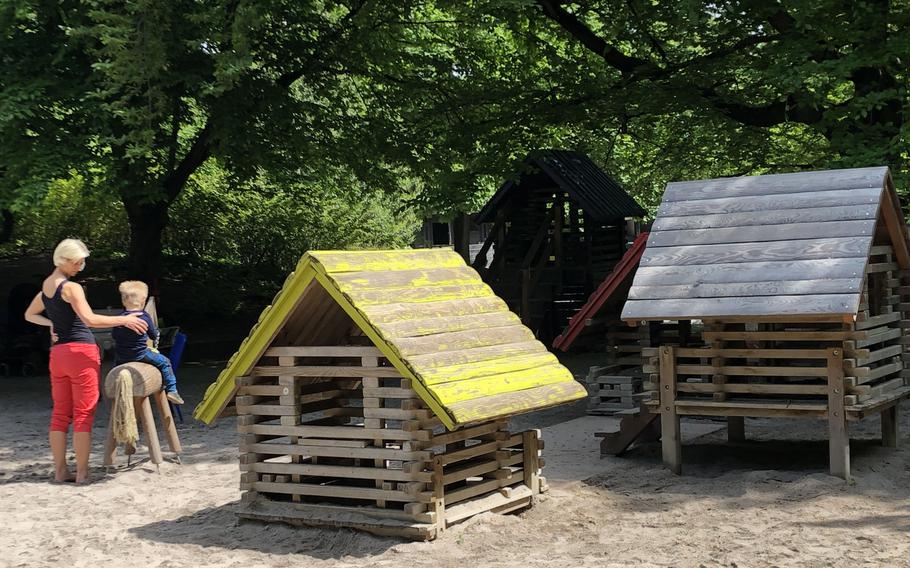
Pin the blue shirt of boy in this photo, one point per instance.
(132, 346)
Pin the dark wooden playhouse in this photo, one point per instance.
(558, 229)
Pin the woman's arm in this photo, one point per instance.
(75, 296)
(34, 310)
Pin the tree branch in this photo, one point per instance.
(621, 62)
(199, 152)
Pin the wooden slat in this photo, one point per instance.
(469, 389)
(762, 233)
(336, 452)
(322, 351)
(880, 354)
(405, 278)
(773, 217)
(790, 306)
(807, 249)
(752, 353)
(468, 453)
(369, 262)
(773, 184)
(326, 371)
(449, 308)
(782, 335)
(491, 368)
(516, 402)
(879, 372)
(463, 340)
(752, 388)
(339, 491)
(876, 321)
(752, 371)
(874, 338)
(418, 294)
(742, 408)
(781, 270)
(319, 470)
(352, 432)
(741, 289)
(800, 200)
(430, 326)
(445, 359)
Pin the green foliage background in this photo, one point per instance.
(239, 133)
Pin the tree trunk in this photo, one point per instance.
(147, 222)
(6, 230)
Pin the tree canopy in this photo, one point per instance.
(433, 103)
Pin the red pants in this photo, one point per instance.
(75, 374)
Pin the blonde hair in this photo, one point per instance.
(134, 293)
(69, 250)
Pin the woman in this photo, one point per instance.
(75, 363)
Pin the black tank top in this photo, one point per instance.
(67, 325)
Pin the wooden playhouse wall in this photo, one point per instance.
(787, 367)
(335, 436)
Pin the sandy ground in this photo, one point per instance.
(767, 502)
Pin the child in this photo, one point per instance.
(131, 346)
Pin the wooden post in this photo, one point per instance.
(167, 422)
(461, 236)
(148, 424)
(531, 461)
(292, 398)
(525, 296)
(838, 437)
(110, 444)
(890, 430)
(439, 504)
(669, 420)
(736, 429)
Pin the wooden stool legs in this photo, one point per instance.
(143, 408)
(167, 422)
(144, 413)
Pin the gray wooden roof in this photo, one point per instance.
(575, 173)
(764, 246)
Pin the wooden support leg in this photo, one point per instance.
(838, 438)
(889, 427)
(110, 444)
(167, 423)
(531, 461)
(151, 433)
(736, 429)
(439, 504)
(669, 419)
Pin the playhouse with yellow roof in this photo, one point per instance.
(375, 392)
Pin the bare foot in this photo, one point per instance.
(64, 475)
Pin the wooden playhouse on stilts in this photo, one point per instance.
(800, 285)
(375, 394)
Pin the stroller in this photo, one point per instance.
(24, 347)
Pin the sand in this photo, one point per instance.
(766, 502)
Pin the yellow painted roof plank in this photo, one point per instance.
(489, 368)
(508, 404)
(430, 326)
(385, 296)
(444, 309)
(428, 362)
(458, 340)
(481, 387)
(404, 278)
(380, 260)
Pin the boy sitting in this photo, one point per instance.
(133, 347)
